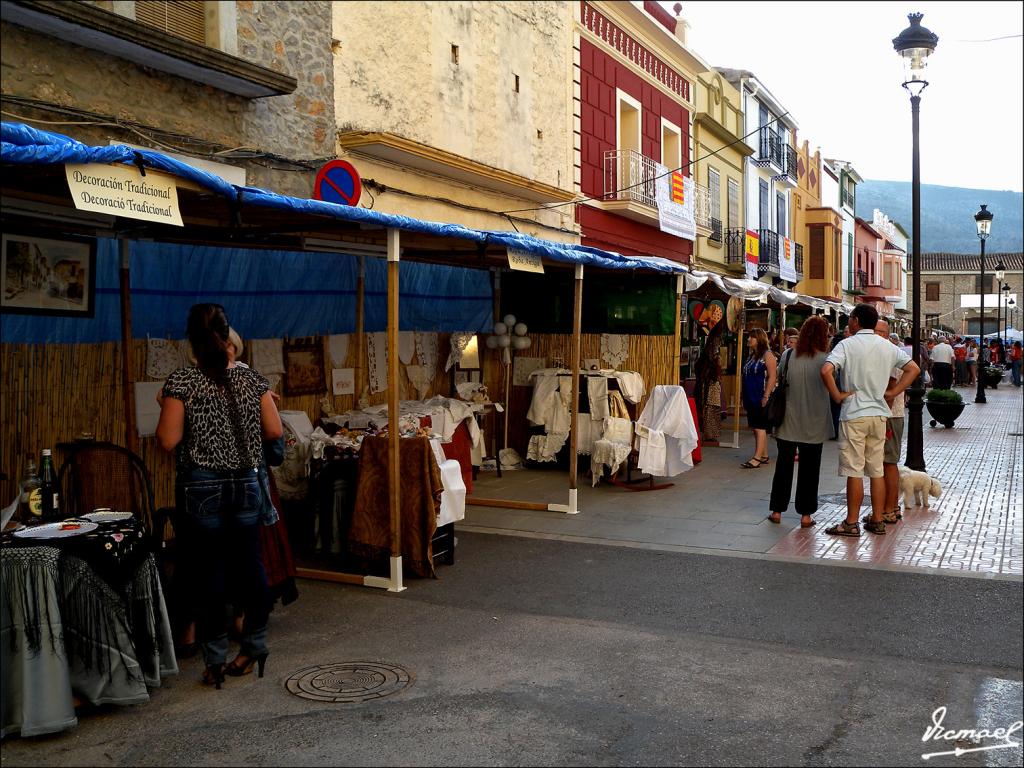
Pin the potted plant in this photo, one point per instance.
(993, 375)
(944, 405)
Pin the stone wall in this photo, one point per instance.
(395, 73)
(953, 285)
(290, 37)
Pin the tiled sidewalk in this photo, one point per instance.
(975, 527)
(978, 522)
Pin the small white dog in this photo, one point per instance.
(916, 487)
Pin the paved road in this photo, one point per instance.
(547, 652)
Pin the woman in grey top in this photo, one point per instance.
(806, 426)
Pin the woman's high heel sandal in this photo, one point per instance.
(235, 669)
(214, 675)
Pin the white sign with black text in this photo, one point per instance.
(121, 190)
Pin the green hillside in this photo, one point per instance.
(947, 214)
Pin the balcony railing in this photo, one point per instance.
(846, 198)
(716, 230)
(629, 175)
(735, 245)
(860, 280)
(768, 252)
(702, 206)
(790, 162)
(770, 147)
(799, 259)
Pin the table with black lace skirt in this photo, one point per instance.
(81, 616)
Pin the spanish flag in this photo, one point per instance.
(677, 188)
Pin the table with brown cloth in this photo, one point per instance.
(420, 489)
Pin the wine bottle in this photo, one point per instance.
(49, 488)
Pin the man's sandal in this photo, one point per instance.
(844, 528)
(876, 528)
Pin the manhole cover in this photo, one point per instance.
(349, 682)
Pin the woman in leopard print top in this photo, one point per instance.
(215, 417)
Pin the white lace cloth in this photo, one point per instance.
(337, 344)
(163, 357)
(377, 352)
(612, 449)
(426, 351)
(406, 346)
(666, 434)
(614, 349)
(267, 355)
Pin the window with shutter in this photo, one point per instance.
(734, 204)
(988, 284)
(715, 192)
(183, 18)
(816, 246)
(765, 221)
(931, 291)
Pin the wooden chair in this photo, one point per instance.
(100, 474)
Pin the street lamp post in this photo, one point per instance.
(914, 45)
(1000, 273)
(983, 219)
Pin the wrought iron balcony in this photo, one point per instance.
(770, 148)
(860, 280)
(799, 259)
(768, 252)
(790, 162)
(702, 206)
(735, 242)
(629, 175)
(716, 230)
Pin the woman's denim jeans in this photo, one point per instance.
(223, 510)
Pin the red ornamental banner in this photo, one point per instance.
(751, 254)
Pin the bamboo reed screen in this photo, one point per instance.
(51, 393)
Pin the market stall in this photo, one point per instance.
(293, 274)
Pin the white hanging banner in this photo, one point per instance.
(674, 194)
(787, 260)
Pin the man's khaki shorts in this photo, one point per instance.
(862, 446)
(893, 441)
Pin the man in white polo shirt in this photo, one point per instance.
(942, 364)
(864, 361)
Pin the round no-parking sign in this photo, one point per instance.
(338, 182)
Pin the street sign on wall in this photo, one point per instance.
(338, 182)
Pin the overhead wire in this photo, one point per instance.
(646, 181)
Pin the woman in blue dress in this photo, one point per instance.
(759, 374)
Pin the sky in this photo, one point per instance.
(832, 65)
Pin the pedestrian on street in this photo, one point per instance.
(864, 362)
(758, 382)
(893, 439)
(942, 364)
(806, 425)
(834, 406)
(972, 362)
(959, 362)
(792, 334)
(1016, 359)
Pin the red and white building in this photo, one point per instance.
(633, 106)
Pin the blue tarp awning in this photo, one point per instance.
(272, 293)
(23, 145)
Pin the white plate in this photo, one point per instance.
(55, 530)
(107, 516)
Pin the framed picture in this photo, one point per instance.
(684, 356)
(304, 368)
(47, 275)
